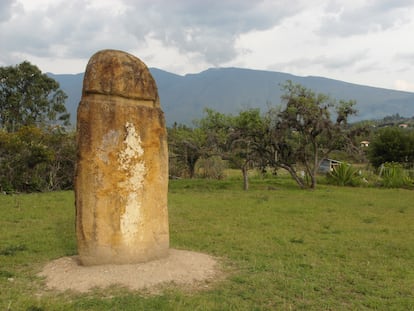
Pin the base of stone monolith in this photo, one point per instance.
(183, 268)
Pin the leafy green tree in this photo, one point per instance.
(306, 131)
(61, 165)
(247, 143)
(238, 139)
(186, 145)
(216, 127)
(392, 144)
(29, 97)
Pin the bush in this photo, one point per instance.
(344, 175)
(392, 144)
(177, 169)
(393, 175)
(212, 167)
(36, 159)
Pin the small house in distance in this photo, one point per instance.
(364, 143)
(327, 165)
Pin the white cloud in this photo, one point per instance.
(366, 16)
(7, 7)
(208, 28)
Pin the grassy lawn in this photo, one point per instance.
(282, 248)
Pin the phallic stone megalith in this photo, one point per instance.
(121, 179)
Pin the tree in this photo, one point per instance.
(61, 166)
(28, 97)
(392, 144)
(216, 127)
(186, 145)
(304, 132)
(247, 144)
(206, 139)
(238, 139)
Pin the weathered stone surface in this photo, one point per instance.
(121, 180)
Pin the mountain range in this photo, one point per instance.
(230, 90)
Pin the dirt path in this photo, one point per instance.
(180, 267)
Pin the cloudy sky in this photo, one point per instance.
(367, 42)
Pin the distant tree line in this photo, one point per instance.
(38, 152)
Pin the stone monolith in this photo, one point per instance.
(121, 179)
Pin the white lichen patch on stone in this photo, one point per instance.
(130, 162)
(133, 148)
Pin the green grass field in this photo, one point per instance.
(282, 248)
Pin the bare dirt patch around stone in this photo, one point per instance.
(181, 267)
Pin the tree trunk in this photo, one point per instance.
(313, 171)
(245, 176)
(191, 162)
(295, 176)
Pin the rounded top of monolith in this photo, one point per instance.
(113, 72)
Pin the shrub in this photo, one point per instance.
(393, 175)
(212, 167)
(392, 144)
(36, 159)
(177, 169)
(344, 175)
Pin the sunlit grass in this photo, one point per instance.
(335, 248)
